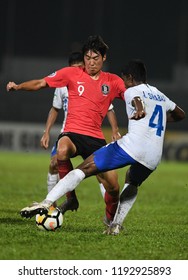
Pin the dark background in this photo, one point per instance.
(38, 31)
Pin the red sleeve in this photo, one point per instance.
(59, 78)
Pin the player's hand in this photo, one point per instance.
(116, 136)
(139, 112)
(138, 115)
(44, 142)
(11, 86)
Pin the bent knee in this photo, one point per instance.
(62, 152)
(65, 149)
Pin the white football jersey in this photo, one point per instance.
(60, 101)
(145, 137)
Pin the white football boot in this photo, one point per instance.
(114, 229)
(36, 208)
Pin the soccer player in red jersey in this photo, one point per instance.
(91, 91)
(60, 101)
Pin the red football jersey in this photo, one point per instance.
(89, 99)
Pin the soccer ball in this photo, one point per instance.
(50, 221)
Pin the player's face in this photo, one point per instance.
(93, 62)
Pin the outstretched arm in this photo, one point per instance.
(176, 115)
(29, 85)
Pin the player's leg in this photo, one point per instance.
(102, 189)
(53, 176)
(86, 147)
(111, 157)
(127, 199)
(98, 162)
(135, 175)
(109, 181)
(65, 150)
(67, 184)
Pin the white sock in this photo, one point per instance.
(123, 208)
(102, 189)
(67, 184)
(52, 180)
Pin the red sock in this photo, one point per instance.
(64, 167)
(111, 205)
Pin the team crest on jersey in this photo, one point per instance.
(52, 75)
(105, 89)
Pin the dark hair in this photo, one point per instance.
(75, 57)
(96, 44)
(137, 69)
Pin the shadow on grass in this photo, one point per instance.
(11, 221)
(10, 211)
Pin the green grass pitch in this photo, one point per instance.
(155, 229)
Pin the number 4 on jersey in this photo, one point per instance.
(156, 120)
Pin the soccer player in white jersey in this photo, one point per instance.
(148, 111)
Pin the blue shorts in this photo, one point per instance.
(112, 156)
(54, 151)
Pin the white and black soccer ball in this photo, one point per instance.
(50, 221)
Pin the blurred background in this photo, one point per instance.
(36, 38)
